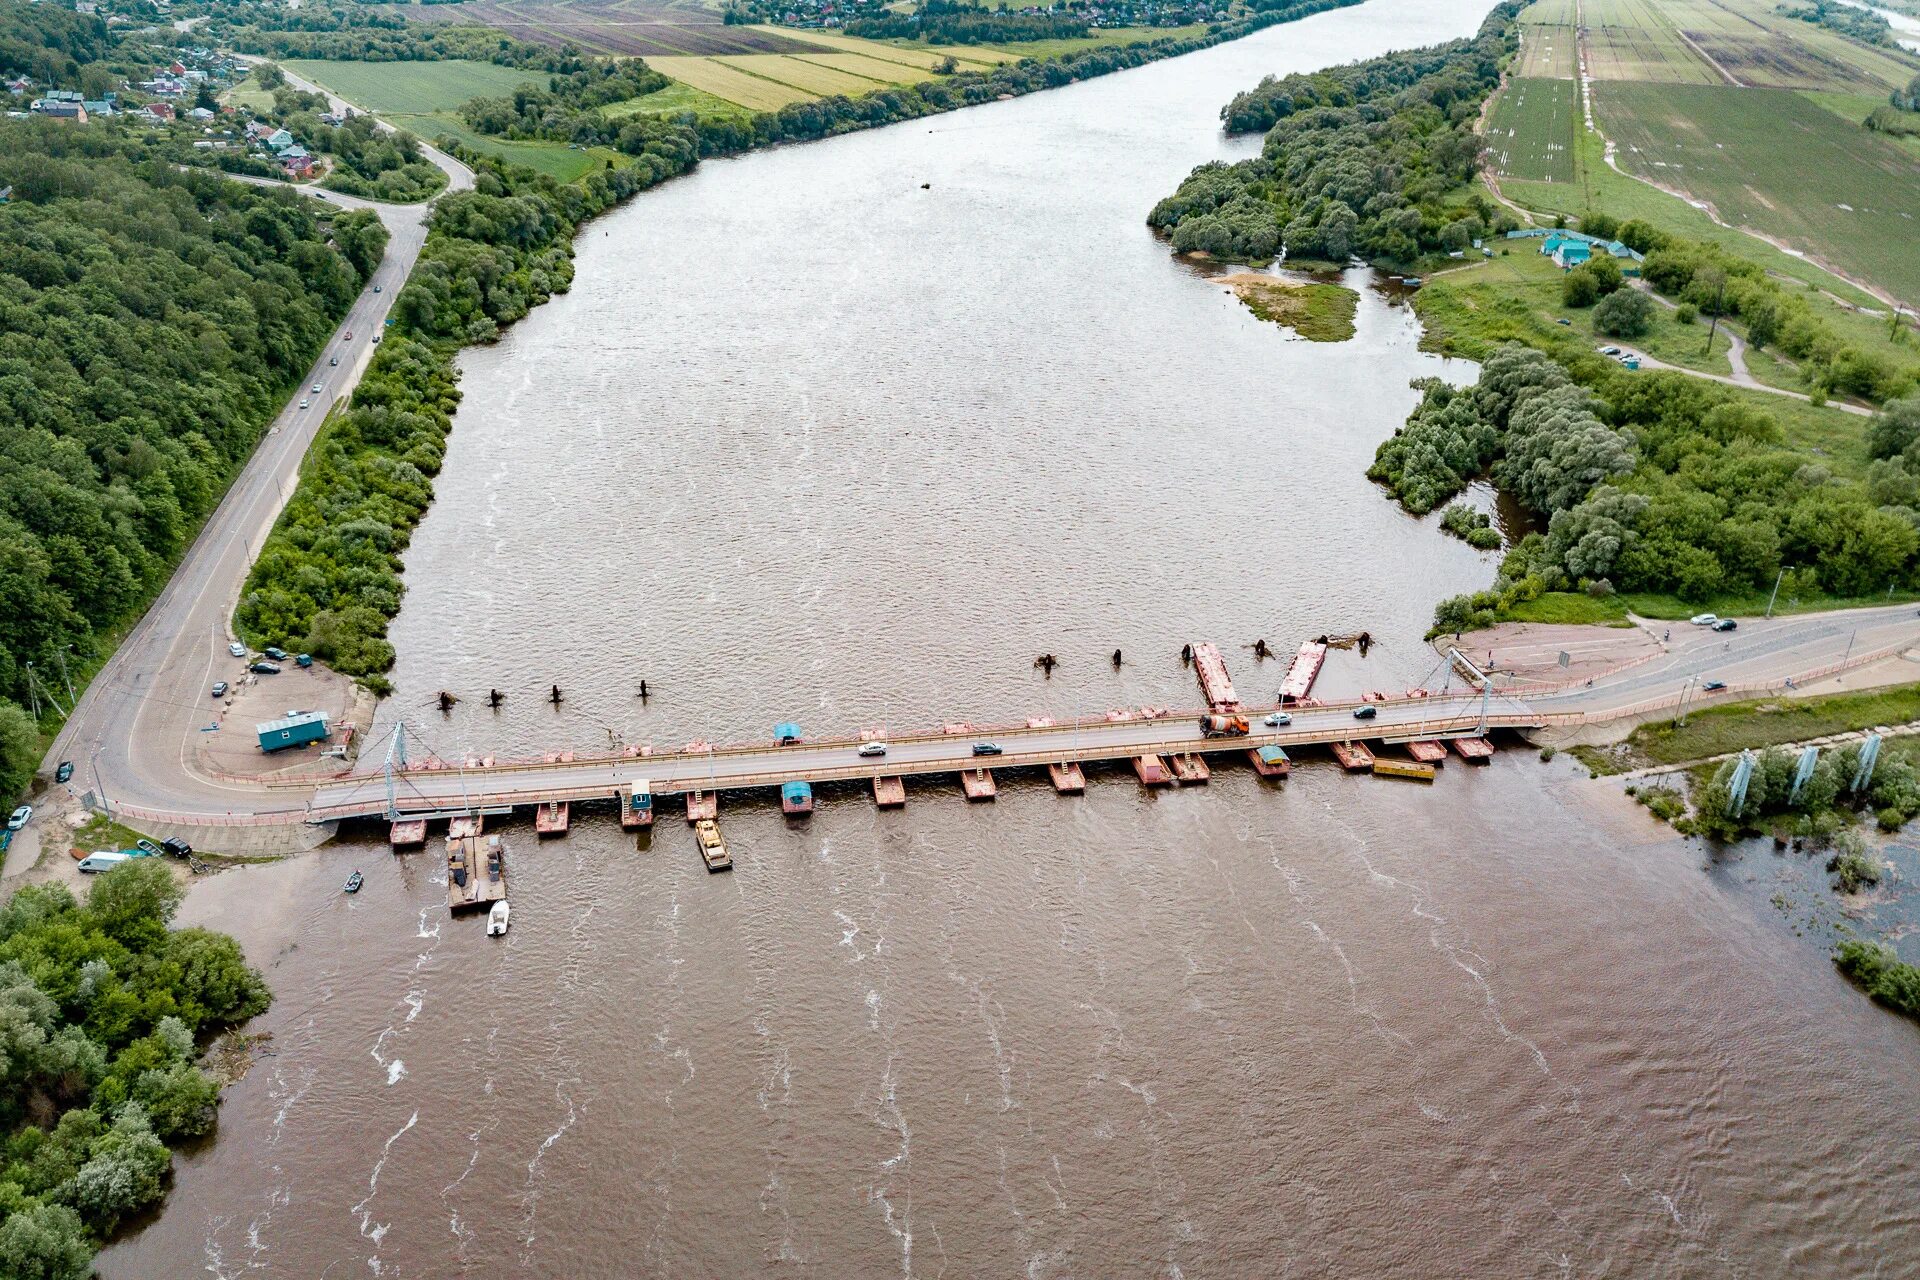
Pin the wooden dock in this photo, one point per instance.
(1353, 756)
(1475, 750)
(553, 818)
(408, 833)
(1428, 752)
(977, 783)
(702, 806)
(889, 793)
(1068, 779)
(1152, 771)
(476, 872)
(1189, 770)
(1412, 770)
(1270, 762)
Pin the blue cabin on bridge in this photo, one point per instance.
(296, 730)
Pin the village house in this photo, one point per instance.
(160, 110)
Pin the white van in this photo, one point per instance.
(104, 861)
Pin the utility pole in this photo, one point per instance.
(1684, 690)
(1776, 591)
(74, 702)
(32, 693)
(98, 785)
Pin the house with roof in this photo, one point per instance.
(160, 110)
(1571, 253)
(297, 161)
(200, 113)
(98, 106)
(60, 109)
(279, 140)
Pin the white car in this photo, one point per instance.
(237, 649)
(316, 388)
(1276, 719)
(1704, 619)
(20, 817)
(873, 748)
(304, 403)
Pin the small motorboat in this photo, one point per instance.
(354, 882)
(497, 919)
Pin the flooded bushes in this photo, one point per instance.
(1882, 974)
(1475, 528)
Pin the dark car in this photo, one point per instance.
(176, 846)
(64, 772)
(219, 688)
(1714, 686)
(265, 668)
(986, 748)
(1725, 624)
(275, 652)
(1365, 713)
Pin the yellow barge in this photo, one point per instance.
(1409, 769)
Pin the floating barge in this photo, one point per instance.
(407, 833)
(702, 806)
(1353, 756)
(1304, 671)
(1068, 779)
(713, 849)
(1412, 770)
(476, 872)
(889, 793)
(1476, 750)
(1214, 683)
(1190, 770)
(796, 799)
(977, 783)
(467, 824)
(1428, 751)
(1270, 762)
(636, 806)
(553, 818)
(1152, 771)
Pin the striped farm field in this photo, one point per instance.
(1547, 53)
(736, 86)
(802, 73)
(912, 55)
(1557, 13)
(860, 64)
(1530, 130)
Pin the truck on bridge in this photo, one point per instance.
(1219, 726)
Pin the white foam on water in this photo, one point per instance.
(396, 1071)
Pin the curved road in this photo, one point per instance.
(129, 735)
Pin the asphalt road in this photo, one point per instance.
(130, 735)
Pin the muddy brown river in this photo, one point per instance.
(808, 441)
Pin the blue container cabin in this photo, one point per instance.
(296, 730)
(786, 733)
(796, 798)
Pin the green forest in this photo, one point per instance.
(152, 323)
(104, 1010)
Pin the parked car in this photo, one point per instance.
(1725, 624)
(220, 688)
(376, 337)
(20, 817)
(1365, 713)
(1704, 619)
(303, 660)
(275, 652)
(64, 772)
(1714, 686)
(237, 649)
(1609, 351)
(177, 847)
(103, 861)
(1277, 719)
(265, 668)
(873, 748)
(986, 748)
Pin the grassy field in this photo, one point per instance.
(1121, 35)
(924, 56)
(710, 75)
(1317, 312)
(1721, 730)
(1557, 13)
(1770, 159)
(1530, 131)
(811, 75)
(556, 159)
(678, 99)
(1547, 52)
(1766, 49)
(412, 88)
(1633, 40)
(1573, 608)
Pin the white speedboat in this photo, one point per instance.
(497, 919)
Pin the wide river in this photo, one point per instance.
(847, 433)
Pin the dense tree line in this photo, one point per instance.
(48, 42)
(1358, 160)
(394, 39)
(1856, 24)
(1881, 974)
(946, 22)
(369, 161)
(103, 1008)
(151, 323)
(565, 107)
(328, 580)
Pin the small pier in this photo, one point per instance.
(1189, 770)
(889, 793)
(1215, 685)
(1270, 762)
(1473, 750)
(408, 833)
(1152, 771)
(636, 806)
(702, 806)
(1353, 756)
(1304, 671)
(476, 872)
(977, 783)
(1068, 779)
(1428, 751)
(1412, 770)
(553, 818)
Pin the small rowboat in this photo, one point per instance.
(353, 884)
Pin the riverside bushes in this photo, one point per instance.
(1882, 974)
(103, 1008)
